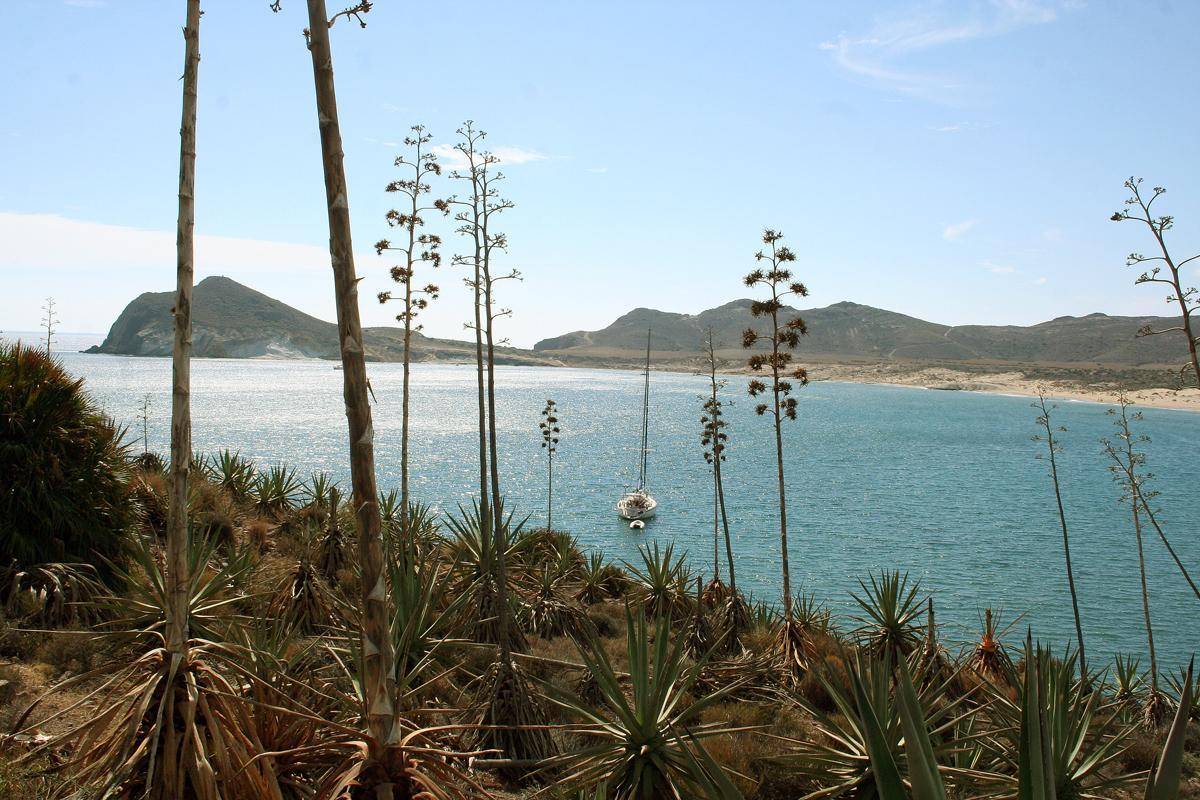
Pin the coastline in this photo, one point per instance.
(1011, 382)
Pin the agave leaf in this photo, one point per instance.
(922, 766)
(887, 773)
(1035, 781)
(1163, 783)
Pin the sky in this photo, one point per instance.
(956, 161)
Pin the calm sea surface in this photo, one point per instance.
(942, 484)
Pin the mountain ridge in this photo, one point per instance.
(231, 320)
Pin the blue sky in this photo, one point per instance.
(954, 161)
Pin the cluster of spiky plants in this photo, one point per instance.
(661, 581)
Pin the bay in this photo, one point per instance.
(944, 485)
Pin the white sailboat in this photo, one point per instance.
(638, 504)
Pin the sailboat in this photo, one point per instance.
(638, 504)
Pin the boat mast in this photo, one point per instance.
(645, 416)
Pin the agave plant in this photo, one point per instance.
(234, 474)
(661, 582)
(475, 555)
(989, 658)
(53, 595)
(1183, 687)
(213, 593)
(305, 600)
(599, 580)
(1164, 780)
(315, 492)
(161, 729)
(647, 742)
(547, 613)
(890, 626)
(868, 740)
(275, 491)
(1061, 740)
(332, 546)
(1129, 679)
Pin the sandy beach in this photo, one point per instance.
(1013, 382)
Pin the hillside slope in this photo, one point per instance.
(230, 320)
(857, 332)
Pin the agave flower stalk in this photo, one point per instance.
(1126, 471)
(181, 411)
(1053, 448)
(782, 337)
(550, 431)
(419, 249)
(714, 439)
(1187, 298)
(376, 644)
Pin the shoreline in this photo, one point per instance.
(1013, 382)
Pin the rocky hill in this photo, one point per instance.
(230, 320)
(850, 331)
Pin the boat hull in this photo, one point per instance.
(636, 506)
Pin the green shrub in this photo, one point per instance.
(63, 467)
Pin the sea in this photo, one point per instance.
(943, 485)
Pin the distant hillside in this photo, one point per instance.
(850, 331)
(230, 320)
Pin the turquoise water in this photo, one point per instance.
(943, 484)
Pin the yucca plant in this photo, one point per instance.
(989, 658)
(867, 741)
(473, 548)
(1059, 738)
(304, 599)
(234, 474)
(1128, 679)
(547, 613)
(1180, 684)
(699, 637)
(890, 625)
(661, 581)
(53, 595)
(64, 467)
(599, 580)
(646, 742)
(332, 556)
(214, 591)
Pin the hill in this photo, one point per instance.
(852, 332)
(230, 320)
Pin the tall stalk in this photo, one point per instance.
(1053, 448)
(1187, 298)
(181, 376)
(550, 430)
(714, 439)
(422, 248)
(783, 338)
(377, 652)
(1125, 470)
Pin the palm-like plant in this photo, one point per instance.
(473, 548)
(647, 742)
(275, 491)
(599, 580)
(661, 581)
(1128, 678)
(234, 474)
(53, 594)
(881, 724)
(890, 626)
(332, 547)
(547, 613)
(989, 658)
(1059, 738)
